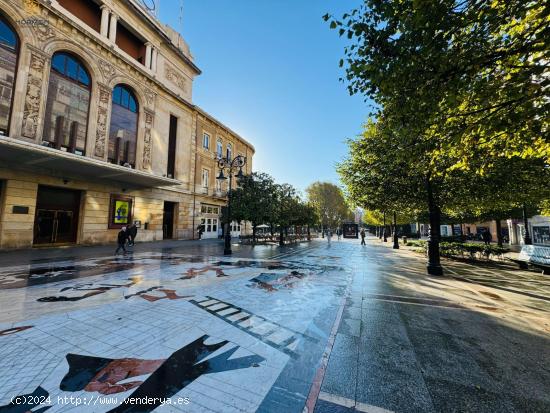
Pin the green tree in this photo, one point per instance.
(286, 201)
(304, 215)
(254, 200)
(457, 85)
(329, 203)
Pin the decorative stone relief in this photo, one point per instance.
(31, 110)
(175, 77)
(102, 112)
(44, 32)
(150, 97)
(107, 69)
(147, 140)
(31, 6)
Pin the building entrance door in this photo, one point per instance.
(168, 220)
(210, 227)
(56, 219)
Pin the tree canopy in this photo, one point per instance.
(329, 203)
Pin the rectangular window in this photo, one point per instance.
(219, 148)
(206, 141)
(541, 234)
(205, 178)
(172, 141)
(229, 152)
(120, 211)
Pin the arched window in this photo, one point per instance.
(9, 50)
(124, 124)
(229, 152)
(66, 122)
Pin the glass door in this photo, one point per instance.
(54, 227)
(44, 226)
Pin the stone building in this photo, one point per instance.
(98, 129)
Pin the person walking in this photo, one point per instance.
(121, 239)
(132, 233)
(487, 237)
(338, 233)
(329, 236)
(362, 233)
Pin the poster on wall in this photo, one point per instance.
(120, 212)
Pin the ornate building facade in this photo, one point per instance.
(98, 129)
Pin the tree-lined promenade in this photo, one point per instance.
(462, 102)
(261, 201)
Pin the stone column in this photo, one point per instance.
(104, 31)
(112, 28)
(154, 60)
(148, 55)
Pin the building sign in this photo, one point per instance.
(120, 211)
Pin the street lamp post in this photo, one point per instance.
(230, 165)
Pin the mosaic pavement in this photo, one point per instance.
(203, 334)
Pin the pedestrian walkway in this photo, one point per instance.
(336, 328)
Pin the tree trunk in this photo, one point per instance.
(281, 237)
(499, 232)
(395, 237)
(308, 233)
(253, 234)
(434, 263)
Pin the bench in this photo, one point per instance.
(535, 255)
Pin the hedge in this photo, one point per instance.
(469, 250)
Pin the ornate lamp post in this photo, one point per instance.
(230, 165)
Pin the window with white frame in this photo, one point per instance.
(219, 148)
(229, 152)
(205, 178)
(206, 140)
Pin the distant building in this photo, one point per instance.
(98, 129)
(358, 216)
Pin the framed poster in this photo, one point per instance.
(120, 211)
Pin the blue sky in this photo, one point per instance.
(270, 72)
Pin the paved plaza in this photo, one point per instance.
(178, 327)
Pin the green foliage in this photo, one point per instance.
(254, 200)
(466, 250)
(260, 200)
(329, 203)
(471, 74)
